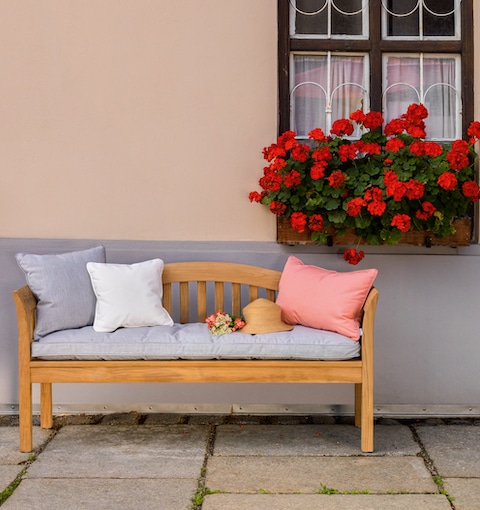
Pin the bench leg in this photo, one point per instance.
(25, 416)
(46, 410)
(367, 418)
(358, 405)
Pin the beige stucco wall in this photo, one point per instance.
(142, 119)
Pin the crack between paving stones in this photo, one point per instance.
(430, 465)
(13, 486)
(198, 498)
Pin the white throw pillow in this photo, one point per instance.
(128, 296)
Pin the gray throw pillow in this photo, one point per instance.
(62, 286)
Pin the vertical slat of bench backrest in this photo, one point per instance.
(201, 301)
(236, 299)
(184, 303)
(219, 296)
(167, 297)
(271, 295)
(252, 293)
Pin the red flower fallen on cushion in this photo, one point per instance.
(373, 182)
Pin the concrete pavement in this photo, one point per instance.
(174, 462)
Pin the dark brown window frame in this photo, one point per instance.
(376, 47)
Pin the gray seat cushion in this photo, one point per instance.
(193, 341)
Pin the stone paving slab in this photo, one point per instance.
(10, 440)
(99, 451)
(464, 491)
(325, 502)
(454, 449)
(102, 494)
(310, 440)
(311, 474)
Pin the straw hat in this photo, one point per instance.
(263, 316)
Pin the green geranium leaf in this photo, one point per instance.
(337, 216)
(332, 204)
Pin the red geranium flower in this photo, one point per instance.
(317, 134)
(373, 120)
(291, 179)
(322, 153)
(298, 220)
(415, 113)
(390, 177)
(342, 127)
(271, 181)
(377, 207)
(336, 179)
(417, 148)
(274, 151)
(287, 140)
(402, 222)
(373, 193)
(474, 130)
(433, 149)
(395, 127)
(357, 116)
(300, 152)
(255, 196)
(318, 170)
(471, 190)
(397, 190)
(347, 151)
(315, 222)
(447, 181)
(417, 131)
(427, 210)
(394, 144)
(354, 207)
(415, 189)
(277, 208)
(352, 256)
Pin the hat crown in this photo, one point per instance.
(263, 316)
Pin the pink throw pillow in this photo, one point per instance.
(323, 299)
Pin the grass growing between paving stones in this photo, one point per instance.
(441, 488)
(202, 490)
(11, 488)
(328, 490)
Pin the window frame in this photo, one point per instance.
(376, 47)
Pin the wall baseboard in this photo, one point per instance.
(381, 410)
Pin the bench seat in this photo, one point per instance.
(193, 341)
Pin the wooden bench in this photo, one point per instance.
(229, 283)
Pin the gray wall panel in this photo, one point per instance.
(427, 346)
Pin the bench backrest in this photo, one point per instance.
(212, 286)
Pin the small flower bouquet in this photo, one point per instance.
(378, 186)
(221, 323)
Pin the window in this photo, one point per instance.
(337, 56)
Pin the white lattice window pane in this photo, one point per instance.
(329, 18)
(431, 80)
(421, 19)
(325, 88)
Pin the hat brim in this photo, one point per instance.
(258, 329)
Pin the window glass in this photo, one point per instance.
(328, 18)
(421, 18)
(325, 88)
(429, 79)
